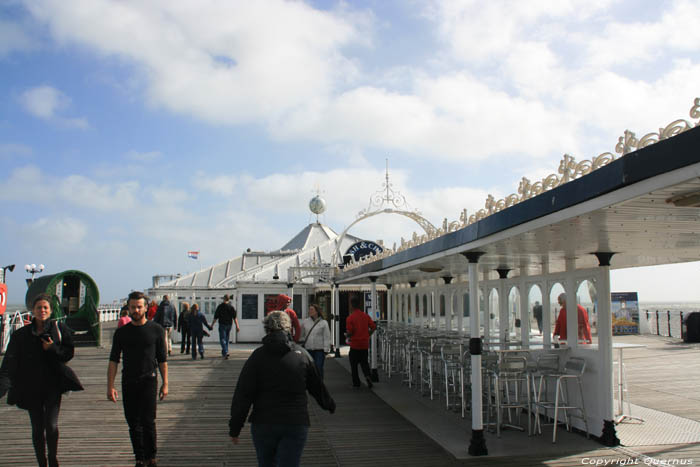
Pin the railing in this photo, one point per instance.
(108, 313)
(10, 322)
(666, 323)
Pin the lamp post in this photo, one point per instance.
(11, 267)
(33, 269)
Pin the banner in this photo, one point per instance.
(625, 313)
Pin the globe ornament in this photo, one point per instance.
(317, 205)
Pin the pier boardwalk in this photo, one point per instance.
(365, 430)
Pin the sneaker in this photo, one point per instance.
(369, 383)
(226, 357)
(202, 356)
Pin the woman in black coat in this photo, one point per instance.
(34, 371)
(275, 380)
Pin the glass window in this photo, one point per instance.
(249, 306)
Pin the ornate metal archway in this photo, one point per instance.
(385, 201)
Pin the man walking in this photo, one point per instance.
(166, 316)
(143, 346)
(226, 315)
(359, 326)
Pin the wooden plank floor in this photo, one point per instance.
(192, 425)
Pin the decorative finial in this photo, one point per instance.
(317, 205)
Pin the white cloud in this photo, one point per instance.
(63, 232)
(47, 103)
(14, 38)
(513, 79)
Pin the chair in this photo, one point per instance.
(453, 374)
(512, 391)
(574, 369)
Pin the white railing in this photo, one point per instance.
(9, 323)
(108, 313)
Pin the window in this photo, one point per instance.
(249, 306)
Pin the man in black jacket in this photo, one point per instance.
(166, 316)
(226, 315)
(274, 381)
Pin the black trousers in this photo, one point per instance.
(185, 340)
(44, 420)
(139, 399)
(359, 357)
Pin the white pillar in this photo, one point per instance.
(389, 305)
(373, 340)
(605, 350)
(477, 445)
(336, 313)
(546, 315)
(503, 322)
(460, 310)
(524, 315)
(571, 305)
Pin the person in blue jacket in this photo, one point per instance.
(197, 324)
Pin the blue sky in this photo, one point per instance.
(132, 132)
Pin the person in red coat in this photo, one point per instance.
(584, 327)
(359, 327)
(152, 309)
(283, 302)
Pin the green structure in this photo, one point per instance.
(74, 300)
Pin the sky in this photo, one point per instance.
(132, 132)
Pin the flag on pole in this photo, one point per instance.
(193, 254)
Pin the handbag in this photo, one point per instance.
(69, 381)
(303, 343)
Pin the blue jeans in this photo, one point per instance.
(224, 333)
(279, 445)
(197, 343)
(319, 357)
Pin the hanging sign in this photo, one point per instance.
(3, 298)
(363, 248)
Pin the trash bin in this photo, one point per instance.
(690, 328)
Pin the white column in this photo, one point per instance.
(460, 309)
(571, 305)
(503, 323)
(336, 322)
(546, 315)
(477, 444)
(605, 341)
(524, 315)
(389, 305)
(373, 342)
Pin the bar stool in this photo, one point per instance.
(451, 357)
(512, 391)
(573, 370)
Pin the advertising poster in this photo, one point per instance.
(625, 313)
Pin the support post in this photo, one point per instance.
(477, 444)
(503, 321)
(605, 349)
(336, 315)
(373, 339)
(448, 303)
(389, 305)
(571, 304)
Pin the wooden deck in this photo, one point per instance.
(193, 430)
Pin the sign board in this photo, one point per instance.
(368, 306)
(3, 298)
(625, 312)
(363, 248)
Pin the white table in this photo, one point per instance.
(621, 416)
